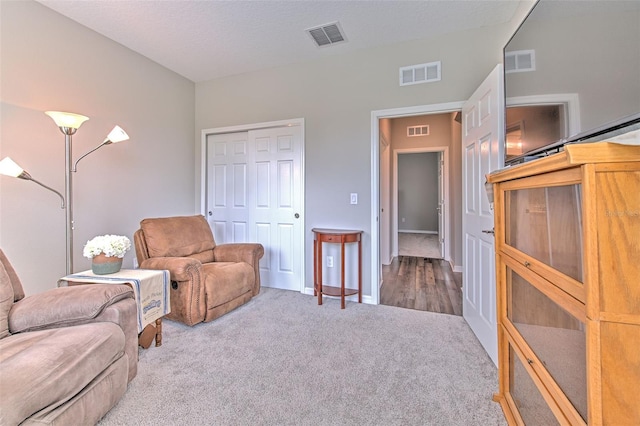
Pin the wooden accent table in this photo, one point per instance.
(342, 237)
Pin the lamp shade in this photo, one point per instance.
(9, 168)
(117, 135)
(67, 119)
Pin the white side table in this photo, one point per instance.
(151, 290)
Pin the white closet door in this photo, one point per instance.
(254, 194)
(276, 217)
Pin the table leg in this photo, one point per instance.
(315, 267)
(159, 332)
(342, 274)
(359, 271)
(319, 260)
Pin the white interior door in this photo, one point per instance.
(255, 194)
(482, 152)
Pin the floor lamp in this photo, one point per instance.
(68, 123)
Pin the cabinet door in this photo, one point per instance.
(543, 228)
(530, 404)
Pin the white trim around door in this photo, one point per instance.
(376, 266)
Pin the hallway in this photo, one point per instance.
(422, 283)
(418, 245)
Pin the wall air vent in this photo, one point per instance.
(413, 131)
(520, 61)
(423, 73)
(327, 34)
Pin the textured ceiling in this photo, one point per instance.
(203, 40)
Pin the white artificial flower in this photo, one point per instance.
(110, 245)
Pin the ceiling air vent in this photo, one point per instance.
(423, 73)
(520, 61)
(413, 131)
(328, 34)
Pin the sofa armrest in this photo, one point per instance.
(65, 306)
(180, 268)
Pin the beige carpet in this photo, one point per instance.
(283, 360)
(418, 245)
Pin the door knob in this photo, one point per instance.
(488, 231)
(210, 213)
(296, 215)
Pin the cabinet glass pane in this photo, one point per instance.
(556, 337)
(546, 224)
(531, 405)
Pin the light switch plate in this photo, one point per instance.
(354, 198)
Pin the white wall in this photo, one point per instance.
(336, 96)
(52, 63)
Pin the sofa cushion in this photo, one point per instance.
(177, 236)
(6, 300)
(224, 281)
(44, 368)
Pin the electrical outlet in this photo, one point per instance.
(354, 198)
(329, 261)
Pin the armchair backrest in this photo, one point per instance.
(181, 236)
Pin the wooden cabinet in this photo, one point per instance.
(567, 231)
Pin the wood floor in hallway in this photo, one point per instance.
(422, 283)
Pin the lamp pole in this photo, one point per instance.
(68, 194)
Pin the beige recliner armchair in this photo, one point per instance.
(207, 280)
(66, 354)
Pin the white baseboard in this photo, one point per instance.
(416, 231)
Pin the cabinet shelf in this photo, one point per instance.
(337, 291)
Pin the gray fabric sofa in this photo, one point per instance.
(67, 354)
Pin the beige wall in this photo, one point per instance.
(336, 96)
(51, 63)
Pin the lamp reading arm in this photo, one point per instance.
(116, 135)
(9, 168)
(26, 176)
(75, 165)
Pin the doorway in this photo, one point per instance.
(420, 202)
(384, 189)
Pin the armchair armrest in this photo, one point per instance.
(242, 252)
(239, 252)
(180, 268)
(187, 287)
(65, 306)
